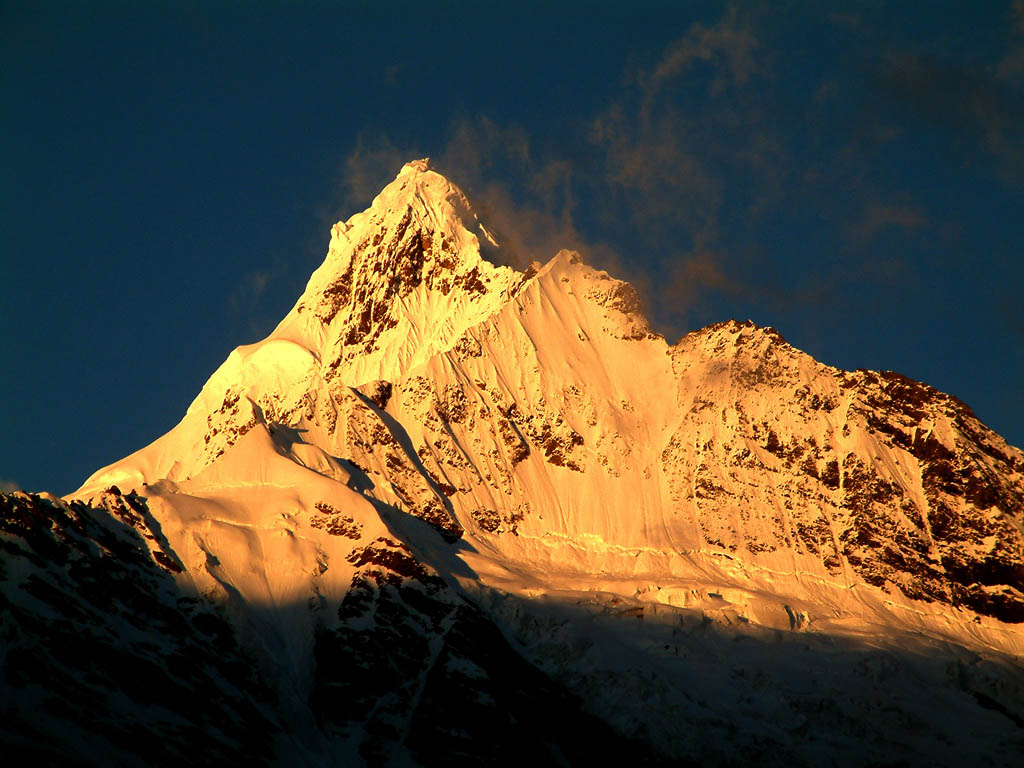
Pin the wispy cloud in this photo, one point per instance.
(249, 302)
(1012, 64)
(981, 105)
(648, 162)
(251, 286)
(729, 46)
(247, 292)
(675, 141)
(878, 217)
(372, 163)
(8, 486)
(679, 172)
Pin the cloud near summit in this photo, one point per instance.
(635, 170)
(700, 154)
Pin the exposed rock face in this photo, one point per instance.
(871, 472)
(447, 504)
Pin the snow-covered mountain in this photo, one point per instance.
(452, 511)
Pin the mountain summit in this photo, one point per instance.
(400, 281)
(448, 508)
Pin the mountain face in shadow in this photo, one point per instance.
(108, 661)
(105, 659)
(448, 512)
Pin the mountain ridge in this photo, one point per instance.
(432, 456)
(504, 372)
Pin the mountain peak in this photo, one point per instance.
(732, 336)
(421, 165)
(401, 281)
(435, 200)
(419, 199)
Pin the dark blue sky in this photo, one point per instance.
(852, 177)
